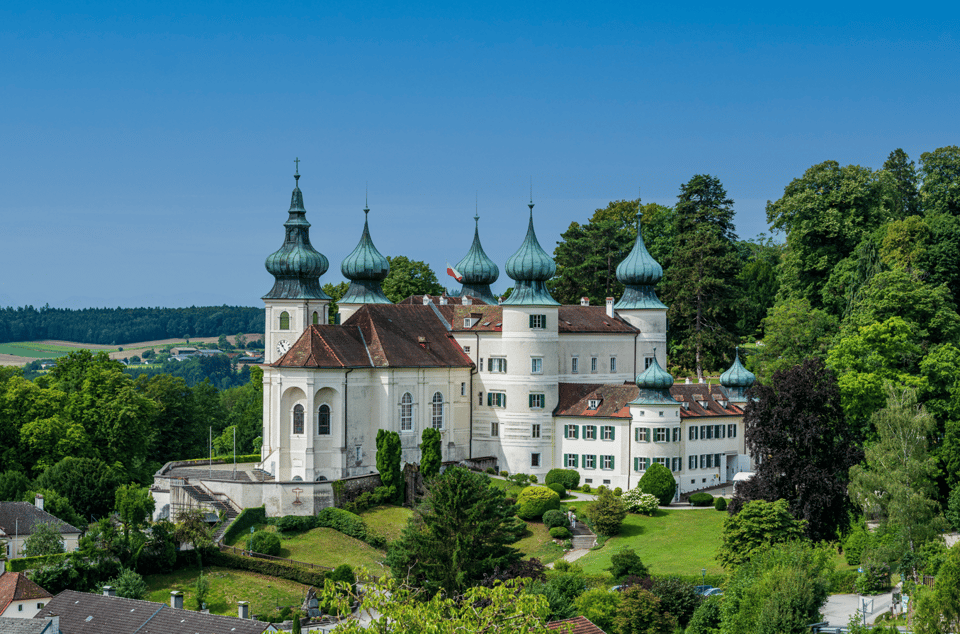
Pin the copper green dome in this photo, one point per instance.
(365, 267)
(296, 267)
(530, 267)
(639, 273)
(737, 375)
(478, 271)
(654, 384)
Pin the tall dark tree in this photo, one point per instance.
(797, 425)
(430, 453)
(700, 285)
(940, 173)
(459, 534)
(388, 461)
(906, 199)
(759, 280)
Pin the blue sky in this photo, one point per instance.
(146, 156)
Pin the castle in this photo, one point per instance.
(524, 384)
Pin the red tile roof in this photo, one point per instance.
(418, 299)
(714, 395)
(574, 400)
(590, 319)
(14, 586)
(485, 317)
(576, 625)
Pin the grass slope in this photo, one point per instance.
(387, 521)
(538, 543)
(226, 588)
(327, 547)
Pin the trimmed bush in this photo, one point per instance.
(560, 532)
(618, 492)
(569, 478)
(534, 501)
(637, 501)
(343, 521)
(29, 563)
(843, 581)
(701, 499)
(586, 488)
(264, 543)
(342, 573)
(246, 519)
(491, 471)
(307, 576)
(504, 474)
(554, 518)
(533, 478)
(556, 486)
(601, 489)
(296, 523)
(659, 481)
(720, 504)
(626, 563)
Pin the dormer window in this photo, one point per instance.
(593, 404)
(468, 322)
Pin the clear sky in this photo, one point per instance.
(146, 156)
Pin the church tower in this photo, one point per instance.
(296, 299)
(737, 380)
(366, 269)
(478, 271)
(639, 306)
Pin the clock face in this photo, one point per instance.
(283, 346)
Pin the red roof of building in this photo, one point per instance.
(576, 625)
(14, 586)
(574, 400)
(590, 319)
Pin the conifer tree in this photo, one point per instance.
(430, 457)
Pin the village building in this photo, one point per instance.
(18, 520)
(20, 598)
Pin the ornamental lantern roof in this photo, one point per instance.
(296, 266)
(478, 271)
(530, 267)
(365, 267)
(639, 273)
(654, 384)
(737, 375)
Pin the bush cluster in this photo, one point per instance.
(296, 523)
(843, 581)
(269, 567)
(264, 543)
(560, 532)
(618, 492)
(636, 501)
(586, 488)
(701, 499)
(569, 478)
(534, 501)
(370, 499)
(559, 488)
(29, 563)
(554, 518)
(720, 504)
(343, 521)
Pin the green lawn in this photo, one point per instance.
(669, 542)
(226, 588)
(326, 547)
(538, 543)
(387, 521)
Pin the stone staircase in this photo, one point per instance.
(222, 508)
(583, 537)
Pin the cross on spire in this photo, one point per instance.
(297, 161)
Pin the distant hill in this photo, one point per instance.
(118, 326)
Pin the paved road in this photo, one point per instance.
(840, 607)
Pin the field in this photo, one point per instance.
(226, 588)
(325, 547)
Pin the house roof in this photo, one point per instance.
(487, 318)
(590, 319)
(14, 586)
(576, 625)
(435, 299)
(26, 626)
(379, 335)
(22, 517)
(574, 400)
(85, 613)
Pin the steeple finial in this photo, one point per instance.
(476, 213)
(366, 199)
(530, 204)
(296, 172)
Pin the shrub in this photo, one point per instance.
(607, 513)
(636, 501)
(343, 521)
(601, 489)
(875, 578)
(953, 508)
(618, 492)
(701, 499)
(264, 543)
(516, 527)
(843, 581)
(519, 479)
(342, 573)
(626, 563)
(659, 481)
(554, 518)
(560, 532)
(533, 478)
(586, 488)
(296, 523)
(369, 499)
(504, 474)
(556, 486)
(569, 478)
(271, 568)
(854, 544)
(535, 501)
(677, 596)
(720, 504)
(247, 518)
(491, 471)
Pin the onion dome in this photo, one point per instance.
(477, 270)
(737, 379)
(654, 384)
(530, 267)
(365, 267)
(639, 273)
(296, 266)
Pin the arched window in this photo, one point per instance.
(406, 412)
(438, 410)
(284, 320)
(323, 420)
(316, 318)
(298, 419)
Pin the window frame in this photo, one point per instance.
(593, 365)
(406, 412)
(298, 422)
(538, 322)
(497, 398)
(535, 460)
(536, 365)
(537, 400)
(284, 320)
(436, 411)
(497, 365)
(535, 430)
(607, 462)
(495, 429)
(607, 432)
(320, 417)
(613, 365)
(589, 432)
(574, 365)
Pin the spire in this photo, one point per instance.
(296, 266)
(639, 273)
(366, 268)
(654, 384)
(530, 267)
(737, 380)
(478, 270)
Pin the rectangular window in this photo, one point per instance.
(535, 460)
(496, 399)
(613, 364)
(716, 460)
(647, 362)
(535, 430)
(607, 432)
(661, 414)
(710, 429)
(589, 432)
(497, 365)
(703, 461)
(641, 434)
(466, 349)
(607, 462)
(359, 452)
(570, 460)
(494, 429)
(732, 430)
(692, 462)
(536, 365)
(676, 434)
(593, 364)
(593, 404)
(480, 365)
(641, 463)
(574, 365)
(479, 398)
(538, 322)
(537, 401)
(463, 389)
(571, 431)
(659, 434)
(589, 462)
(693, 432)
(676, 465)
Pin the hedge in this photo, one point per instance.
(296, 523)
(307, 576)
(247, 518)
(29, 563)
(701, 499)
(569, 478)
(720, 504)
(843, 581)
(249, 457)
(343, 521)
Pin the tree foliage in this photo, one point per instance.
(797, 424)
(758, 525)
(430, 456)
(793, 331)
(44, 540)
(658, 481)
(938, 610)
(409, 277)
(88, 484)
(607, 513)
(641, 612)
(388, 460)
(940, 175)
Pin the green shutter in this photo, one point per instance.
(612, 458)
(530, 398)
(576, 461)
(531, 321)
(636, 464)
(576, 431)
(613, 433)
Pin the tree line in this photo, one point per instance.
(118, 326)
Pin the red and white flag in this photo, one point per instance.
(454, 273)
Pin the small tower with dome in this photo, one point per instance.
(655, 421)
(737, 380)
(296, 299)
(639, 305)
(366, 269)
(478, 270)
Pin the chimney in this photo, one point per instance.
(687, 380)
(610, 307)
(54, 624)
(109, 591)
(443, 301)
(584, 301)
(467, 301)
(176, 599)
(243, 609)
(426, 300)
(700, 380)
(38, 501)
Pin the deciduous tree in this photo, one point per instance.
(409, 277)
(44, 540)
(794, 331)
(757, 525)
(940, 176)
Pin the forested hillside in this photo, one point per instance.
(117, 326)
